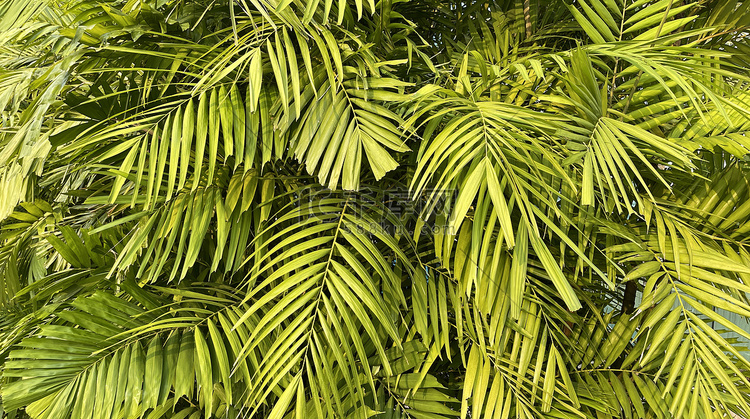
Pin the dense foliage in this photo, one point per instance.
(391, 209)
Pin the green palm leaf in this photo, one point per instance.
(359, 209)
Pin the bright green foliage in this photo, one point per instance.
(392, 209)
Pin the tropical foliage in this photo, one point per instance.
(391, 209)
